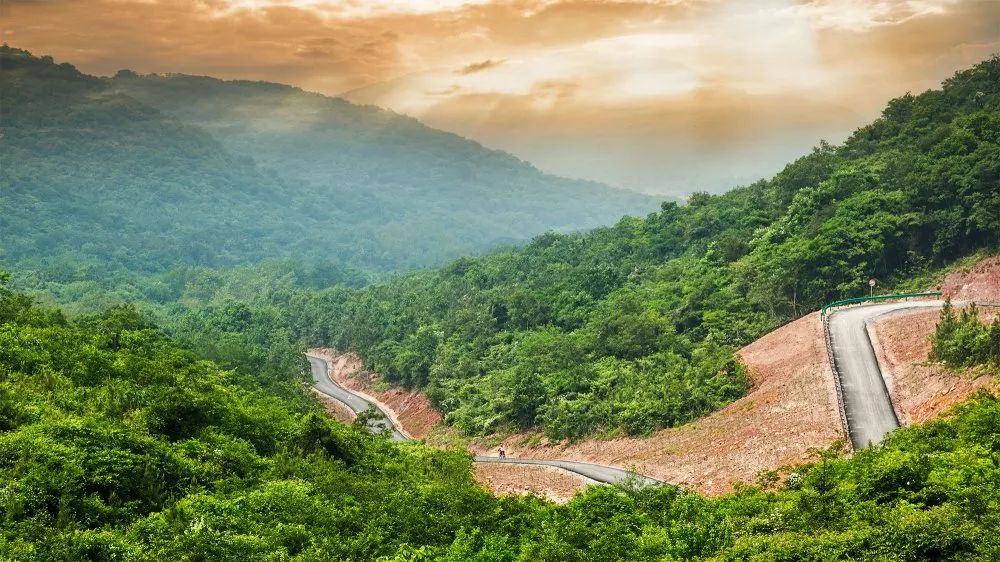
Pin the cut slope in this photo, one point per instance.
(920, 390)
(978, 282)
(409, 410)
(516, 479)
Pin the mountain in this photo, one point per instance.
(633, 327)
(142, 173)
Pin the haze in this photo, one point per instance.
(666, 97)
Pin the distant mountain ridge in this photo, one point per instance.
(144, 172)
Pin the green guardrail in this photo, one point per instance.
(875, 298)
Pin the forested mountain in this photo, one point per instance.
(632, 327)
(142, 173)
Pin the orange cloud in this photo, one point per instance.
(655, 94)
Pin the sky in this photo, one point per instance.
(662, 96)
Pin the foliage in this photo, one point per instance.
(962, 340)
(115, 444)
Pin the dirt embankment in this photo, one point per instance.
(411, 411)
(979, 282)
(920, 389)
(789, 414)
(553, 483)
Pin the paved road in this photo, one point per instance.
(357, 404)
(593, 472)
(866, 399)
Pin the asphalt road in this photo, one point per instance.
(357, 404)
(593, 472)
(866, 399)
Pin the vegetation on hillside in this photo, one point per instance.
(633, 327)
(116, 444)
(962, 340)
(105, 178)
(622, 329)
(121, 442)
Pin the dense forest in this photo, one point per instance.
(105, 178)
(117, 444)
(632, 327)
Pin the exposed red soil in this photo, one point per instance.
(920, 389)
(979, 282)
(550, 482)
(410, 411)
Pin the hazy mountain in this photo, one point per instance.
(145, 172)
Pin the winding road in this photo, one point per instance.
(866, 402)
(867, 405)
(593, 472)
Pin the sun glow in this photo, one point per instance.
(356, 8)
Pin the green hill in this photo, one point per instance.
(140, 174)
(632, 327)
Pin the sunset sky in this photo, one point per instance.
(663, 96)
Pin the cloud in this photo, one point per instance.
(657, 94)
(479, 66)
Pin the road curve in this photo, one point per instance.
(323, 383)
(593, 472)
(869, 411)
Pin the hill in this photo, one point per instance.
(140, 174)
(633, 327)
